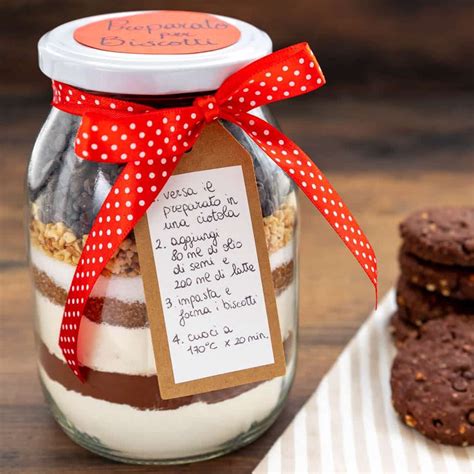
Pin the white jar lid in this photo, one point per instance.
(64, 59)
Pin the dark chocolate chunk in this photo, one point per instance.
(53, 140)
(272, 183)
(75, 188)
(71, 190)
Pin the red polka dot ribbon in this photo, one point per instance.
(150, 142)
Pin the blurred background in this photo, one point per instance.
(365, 47)
(393, 129)
(397, 104)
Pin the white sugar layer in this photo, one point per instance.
(124, 350)
(127, 289)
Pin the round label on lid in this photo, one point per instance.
(159, 32)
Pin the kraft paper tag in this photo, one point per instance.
(207, 276)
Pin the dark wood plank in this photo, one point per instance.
(386, 159)
(372, 46)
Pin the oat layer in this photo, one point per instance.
(59, 242)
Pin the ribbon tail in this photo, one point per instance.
(133, 192)
(309, 178)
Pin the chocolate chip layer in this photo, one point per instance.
(417, 305)
(442, 235)
(432, 381)
(452, 281)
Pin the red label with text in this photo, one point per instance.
(159, 32)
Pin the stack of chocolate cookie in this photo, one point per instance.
(432, 376)
(437, 269)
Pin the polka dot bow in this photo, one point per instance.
(150, 142)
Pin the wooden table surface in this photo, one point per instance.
(386, 157)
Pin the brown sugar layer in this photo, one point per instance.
(138, 391)
(60, 242)
(282, 276)
(100, 310)
(131, 315)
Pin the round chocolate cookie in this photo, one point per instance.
(401, 330)
(417, 305)
(432, 381)
(452, 281)
(442, 235)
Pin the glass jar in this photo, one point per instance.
(118, 411)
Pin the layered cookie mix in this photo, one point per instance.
(115, 339)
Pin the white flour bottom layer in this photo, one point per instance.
(190, 430)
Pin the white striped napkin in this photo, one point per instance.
(349, 425)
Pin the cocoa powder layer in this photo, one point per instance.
(131, 315)
(138, 391)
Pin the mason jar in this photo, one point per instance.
(118, 412)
